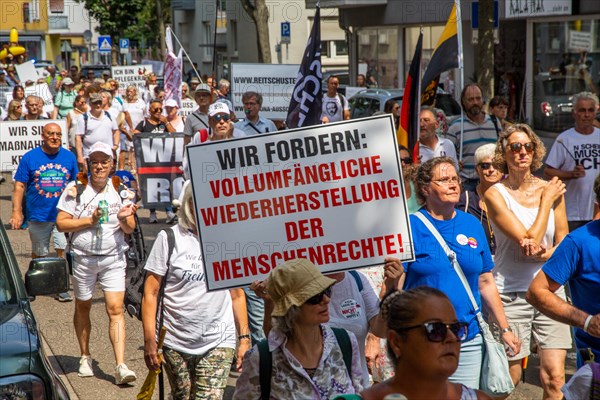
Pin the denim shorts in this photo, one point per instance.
(40, 232)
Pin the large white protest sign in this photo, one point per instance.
(18, 137)
(275, 82)
(27, 72)
(330, 193)
(42, 90)
(131, 75)
(158, 159)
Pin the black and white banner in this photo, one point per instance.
(159, 158)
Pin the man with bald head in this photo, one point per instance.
(41, 177)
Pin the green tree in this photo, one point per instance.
(113, 16)
(150, 30)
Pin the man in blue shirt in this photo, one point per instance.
(254, 124)
(575, 261)
(41, 177)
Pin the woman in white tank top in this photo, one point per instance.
(528, 216)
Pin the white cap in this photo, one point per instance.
(218, 108)
(171, 103)
(101, 147)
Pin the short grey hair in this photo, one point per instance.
(585, 96)
(485, 151)
(285, 324)
(224, 83)
(185, 214)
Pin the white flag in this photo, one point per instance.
(173, 71)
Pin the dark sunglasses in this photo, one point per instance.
(318, 298)
(156, 110)
(220, 117)
(407, 160)
(437, 331)
(516, 147)
(485, 165)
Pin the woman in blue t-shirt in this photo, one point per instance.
(438, 190)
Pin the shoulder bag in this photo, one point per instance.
(495, 377)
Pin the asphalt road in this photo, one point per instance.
(55, 323)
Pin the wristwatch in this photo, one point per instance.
(506, 330)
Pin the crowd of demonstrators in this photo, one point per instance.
(438, 189)
(529, 219)
(97, 220)
(573, 159)
(197, 359)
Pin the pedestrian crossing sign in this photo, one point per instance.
(104, 44)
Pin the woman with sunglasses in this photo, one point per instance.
(307, 359)
(438, 189)
(156, 123)
(472, 201)
(15, 111)
(424, 339)
(529, 219)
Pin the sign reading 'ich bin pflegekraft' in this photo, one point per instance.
(331, 193)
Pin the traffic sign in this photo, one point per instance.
(286, 32)
(124, 45)
(104, 44)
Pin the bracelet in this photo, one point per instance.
(586, 325)
(506, 330)
(244, 337)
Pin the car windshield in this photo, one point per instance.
(563, 86)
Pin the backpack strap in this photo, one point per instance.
(595, 386)
(265, 368)
(356, 277)
(341, 335)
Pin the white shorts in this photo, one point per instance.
(108, 270)
(39, 233)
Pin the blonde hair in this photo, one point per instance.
(502, 143)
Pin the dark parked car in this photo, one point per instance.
(367, 102)
(553, 101)
(25, 372)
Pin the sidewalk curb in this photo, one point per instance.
(57, 368)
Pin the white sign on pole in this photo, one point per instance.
(275, 82)
(525, 9)
(131, 75)
(42, 90)
(27, 72)
(18, 137)
(331, 193)
(580, 41)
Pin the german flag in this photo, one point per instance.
(408, 131)
(445, 57)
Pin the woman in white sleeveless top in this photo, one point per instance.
(528, 215)
(79, 107)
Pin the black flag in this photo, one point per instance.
(307, 98)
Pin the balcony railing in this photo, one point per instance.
(58, 22)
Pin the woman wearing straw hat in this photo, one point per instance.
(307, 356)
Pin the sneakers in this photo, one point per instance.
(171, 217)
(63, 297)
(85, 367)
(124, 375)
(153, 219)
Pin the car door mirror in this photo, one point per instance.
(47, 276)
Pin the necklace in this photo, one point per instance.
(526, 193)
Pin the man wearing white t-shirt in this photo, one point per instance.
(575, 159)
(335, 106)
(96, 125)
(430, 144)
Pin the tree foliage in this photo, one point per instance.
(113, 16)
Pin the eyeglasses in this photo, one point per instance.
(104, 163)
(447, 181)
(407, 160)
(54, 134)
(19, 106)
(318, 298)
(516, 147)
(438, 331)
(485, 165)
(156, 110)
(220, 117)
